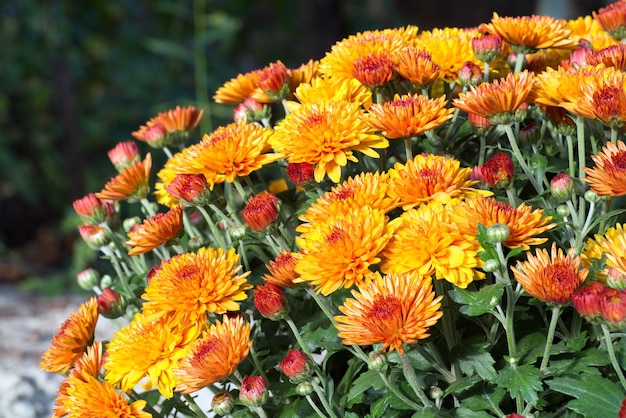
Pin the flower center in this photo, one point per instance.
(384, 308)
(619, 161)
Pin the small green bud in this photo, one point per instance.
(238, 233)
(377, 361)
(436, 392)
(106, 281)
(592, 197)
(563, 210)
(304, 388)
(222, 403)
(491, 265)
(88, 279)
(130, 222)
(498, 233)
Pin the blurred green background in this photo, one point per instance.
(76, 78)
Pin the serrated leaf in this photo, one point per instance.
(483, 398)
(596, 397)
(538, 163)
(369, 379)
(354, 366)
(524, 380)
(463, 412)
(473, 358)
(585, 361)
(489, 250)
(477, 302)
(531, 347)
(461, 384)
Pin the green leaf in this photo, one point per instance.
(489, 249)
(473, 358)
(463, 412)
(475, 303)
(354, 366)
(482, 398)
(369, 379)
(585, 361)
(596, 397)
(538, 163)
(461, 384)
(524, 380)
(379, 407)
(531, 347)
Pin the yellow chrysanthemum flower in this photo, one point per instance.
(323, 89)
(215, 355)
(431, 178)
(192, 284)
(426, 241)
(326, 134)
(151, 349)
(71, 339)
(523, 222)
(613, 244)
(586, 27)
(593, 251)
(340, 250)
(392, 310)
(608, 176)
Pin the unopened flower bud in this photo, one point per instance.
(616, 279)
(470, 74)
(586, 300)
(530, 133)
(190, 189)
(129, 223)
(248, 111)
(111, 304)
(296, 366)
(512, 58)
(253, 391)
(497, 172)
(436, 392)
(222, 403)
(491, 265)
(480, 124)
(613, 308)
(274, 81)
(261, 211)
(498, 233)
(487, 47)
(377, 360)
(88, 279)
(92, 210)
(300, 173)
(304, 388)
(156, 136)
(561, 186)
(563, 210)
(238, 232)
(270, 301)
(124, 155)
(592, 197)
(578, 57)
(94, 235)
(106, 281)
(195, 243)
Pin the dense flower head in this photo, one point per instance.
(215, 355)
(392, 310)
(373, 70)
(300, 173)
(237, 89)
(156, 230)
(588, 29)
(71, 339)
(416, 66)
(563, 85)
(613, 307)
(322, 89)
(496, 172)
(470, 74)
(95, 236)
(193, 284)
(326, 134)
(339, 251)
(408, 115)
(587, 300)
(124, 154)
(611, 56)
(550, 277)
(497, 99)
(131, 184)
(93, 210)
(190, 189)
(111, 303)
(270, 301)
(430, 178)
(564, 124)
(613, 19)
(426, 241)
(608, 176)
(281, 270)
(261, 211)
(174, 126)
(612, 245)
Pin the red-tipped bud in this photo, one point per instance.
(561, 186)
(94, 235)
(274, 81)
(88, 279)
(282, 270)
(190, 189)
(270, 301)
(124, 155)
(578, 57)
(296, 366)
(261, 211)
(93, 210)
(613, 307)
(111, 304)
(498, 171)
(300, 173)
(222, 403)
(248, 111)
(253, 391)
(156, 136)
(470, 74)
(587, 299)
(487, 47)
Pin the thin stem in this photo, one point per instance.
(296, 333)
(520, 159)
(321, 302)
(195, 407)
(556, 312)
(214, 231)
(483, 149)
(614, 133)
(321, 394)
(397, 392)
(611, 352)
(519, 62)
(409, 373)
(580, 133)
(240, 190)
(257, 363)
(258, 410)
(407, 148)
(571, 166)
(314, 406)
(250, 184)
(148, 207)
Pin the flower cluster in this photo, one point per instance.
(418, 224)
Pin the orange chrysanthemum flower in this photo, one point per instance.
(215, 355)
(408, 115)
(426, 241)
(613, 245)
(392, 310)
(529, 33)
(365, 189)
(71, 339)
(563, 85)
(416, 65)
(340, 251)
(326, 134)
(550, 277)
(175, 124)
(192, 284)
(274, 81)
(497, 101)
(237, 89)
(131, 184)
(303, 74)
(613, 19)
(523, 222)
(282, 270)
(430, 178)
(149, 349)
(608, 176)
(611, 56)
(374, 69)
(155, 231)
(449, 48)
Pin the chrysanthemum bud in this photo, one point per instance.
(92, 210)
(261, 211)
(274, 81)
(497, 172)
(578, 57)
(611, 18)
(616, 279)
(94, 235)
(613, 307)
(237, 232)
(296, 366)
(129, 223)
(512, 58)
(470, 74)
(222, 403)
(498, 233)
(248, 111)
(530, 133)
(124, 155)
(563, 210)
(377, 360)
(270, 301)
(587, 299)
(88, 279)
(436, 392)
(156, 136)
(491, 265)
(253, 391)
(561, 186)
(487, 47)
(190, 189)
(111, 304)
(592, 197)
(300, 173)
(480, 124)
(304, 388)
(106, 281)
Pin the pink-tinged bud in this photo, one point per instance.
(616, 279)
(92, 210)
(530, 133)
(261, 211)
(94, 235)
(124, 155)
(296, 366)
(274, 81)
(578, 57)
(498, 171)
(586, 300)
(253, 391)
(613, 307)
(470, 74)
(190, 189)
(300, 173)
(480, 124)
(248, 111)
(561, 186)
(88, 279)
(156, 136)
(512, 58)
(222, 403)
(487, 47)
(270, 301)
(111, 304)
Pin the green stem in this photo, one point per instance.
(217, 236)
(321, 302)
(571, 166)
(250, 184)
(614, 133)
(409, 373)
(611, 352)
(240, 190)
(580, 133)
(296, 333)
(200, 63)
(519, 62)
(321, 394)
(407, 148)
(397, 392)
(556, 312)
(195, 407)
(148, 207)
(520, 159)
(483, 149)
(258, 410)
(257, 363)
(314, 406)
(509, 329)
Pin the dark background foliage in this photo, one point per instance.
(76, 78)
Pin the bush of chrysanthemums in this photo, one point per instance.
(419, 224)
